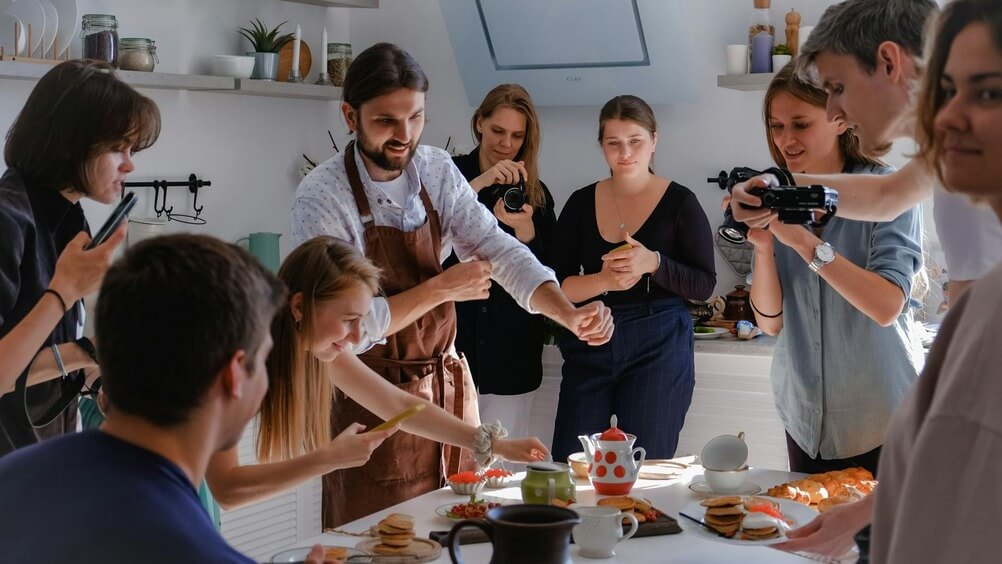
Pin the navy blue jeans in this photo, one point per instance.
(644, 375)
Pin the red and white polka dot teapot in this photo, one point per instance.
(612, 462)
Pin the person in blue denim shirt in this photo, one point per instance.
(838, 297)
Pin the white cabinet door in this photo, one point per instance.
(733, 394)
(261, 529)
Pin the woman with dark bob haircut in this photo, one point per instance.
(73, 139)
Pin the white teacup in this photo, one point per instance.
(600, 530)
(726, 481)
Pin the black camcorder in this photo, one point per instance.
(513, 195)
(795, 204)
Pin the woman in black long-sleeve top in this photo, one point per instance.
(502, 342)
(644, 375)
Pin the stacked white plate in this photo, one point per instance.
(54, 25)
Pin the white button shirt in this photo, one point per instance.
(324, 205)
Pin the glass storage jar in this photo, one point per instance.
(137, 54)
(338, 60)
(99, 33)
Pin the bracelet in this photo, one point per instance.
(755, 309)
(58, 297)
(483, 443)
(657, 254)
(59, 360)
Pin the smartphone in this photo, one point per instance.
(114, 220)
(412, 410)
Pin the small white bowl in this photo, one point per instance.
(495, 482)
(467, 488)
(578, 462)
(236, 66)
(726, 481)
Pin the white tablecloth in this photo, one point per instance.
(669, 496)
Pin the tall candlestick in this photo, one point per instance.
(295, 47)
(323, 77)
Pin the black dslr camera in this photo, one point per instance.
(513, 195)
(795, 204)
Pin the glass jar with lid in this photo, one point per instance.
(137, 54)
(99, 33)
(338, 61)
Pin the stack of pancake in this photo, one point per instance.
(730, 514)
(724, 514)
(396, 533)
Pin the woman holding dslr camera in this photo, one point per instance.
(847, 353)
(502, 342)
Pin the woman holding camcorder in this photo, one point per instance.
(835, 411)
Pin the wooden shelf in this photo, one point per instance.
(303, 90)
(340, 3)
(14, 70)
(159, 80)
(746, 82)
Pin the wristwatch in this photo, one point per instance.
(824, 254)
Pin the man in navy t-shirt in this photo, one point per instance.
(183, 333)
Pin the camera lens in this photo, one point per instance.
(514, 199)
(732, 230)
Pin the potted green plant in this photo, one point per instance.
(266, 43)
(781, 55)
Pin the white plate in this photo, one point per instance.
(7, 23)
(299, 554)
(51, 25)
(30, 12)
(717, 332)
(443, 510)
(701, 487)
(69, 24)
(799, 514)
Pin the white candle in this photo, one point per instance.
(323, 49)
(295, 49)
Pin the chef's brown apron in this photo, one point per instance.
(416, 359)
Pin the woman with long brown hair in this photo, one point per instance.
(850, 279)
(502, 342)
(330, 290)
(639, 243)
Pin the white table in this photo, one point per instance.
(669, 496)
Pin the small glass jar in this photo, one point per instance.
(137, 54)
(338, 60)
(99, 33)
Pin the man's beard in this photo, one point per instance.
(378, 156)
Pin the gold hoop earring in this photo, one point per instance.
(299, 325)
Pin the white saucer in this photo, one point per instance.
(701, 487)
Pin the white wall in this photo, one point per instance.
(723, 128)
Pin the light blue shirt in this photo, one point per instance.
(836, 374)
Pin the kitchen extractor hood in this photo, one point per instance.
(570, 52)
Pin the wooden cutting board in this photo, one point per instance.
(285, 61)
(423, 550)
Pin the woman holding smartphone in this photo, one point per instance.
(331, 288)
(45, 270)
